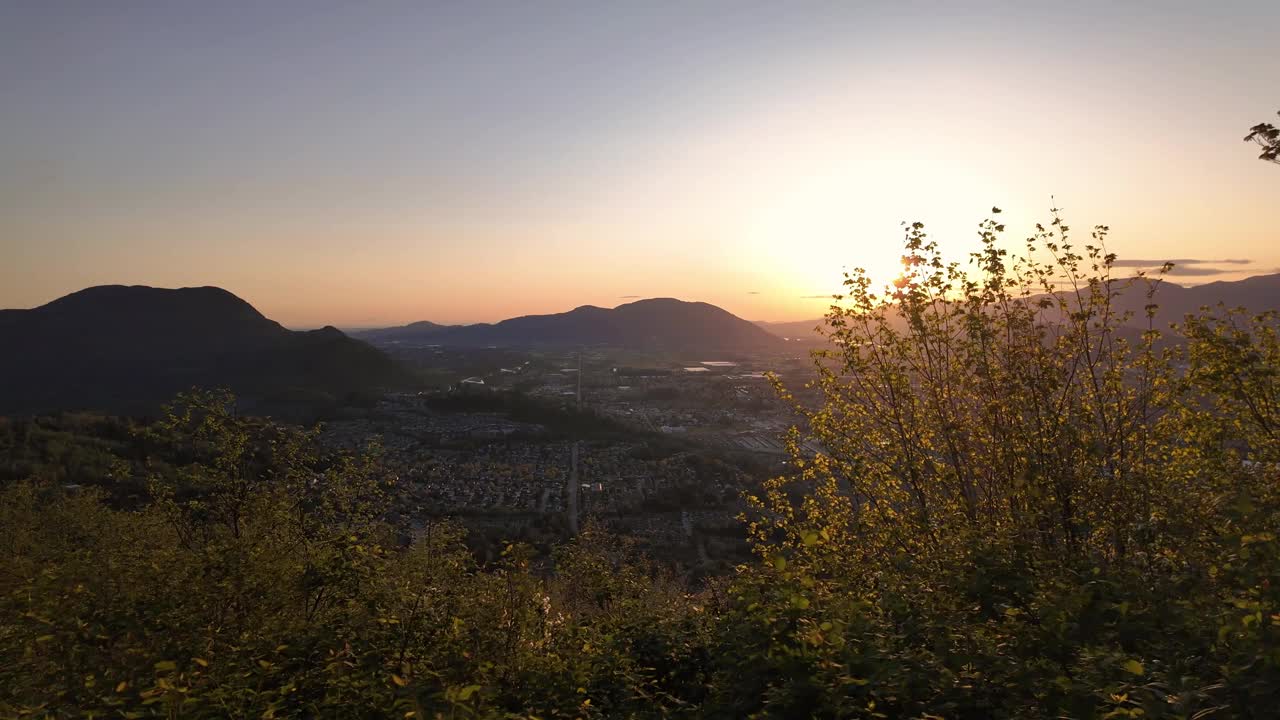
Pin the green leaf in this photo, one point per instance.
(166, 666)
(1134, 667)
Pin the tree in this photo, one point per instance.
(1268, 137)
(1016, 500)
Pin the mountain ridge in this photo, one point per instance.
(653, 323)
(128, 349)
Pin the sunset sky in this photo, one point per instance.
(362, 164)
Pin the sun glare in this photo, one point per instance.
(811, 237)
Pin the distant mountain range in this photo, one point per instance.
(419, 329)
(656, 324)
(1258, 293)
(129, 349)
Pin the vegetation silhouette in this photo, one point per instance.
(1267, 136)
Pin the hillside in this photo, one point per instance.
(128, 349)
(660, 323)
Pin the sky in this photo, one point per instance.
(372, 163)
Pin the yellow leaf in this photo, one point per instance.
(200, 661)
(398, 680)
(1134, 667)
(122, 686)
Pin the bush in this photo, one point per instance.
(1021, 505)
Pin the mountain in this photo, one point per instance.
(129, 349)
(1258, 293)
(420, 329)
(655, 324)
(794, 329)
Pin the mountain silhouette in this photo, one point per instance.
(1258, 293)
(655, 324)
(128, 349)
(420, 329)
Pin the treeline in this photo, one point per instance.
(1022, 509)
(558, 419)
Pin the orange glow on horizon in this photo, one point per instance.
(424, 180)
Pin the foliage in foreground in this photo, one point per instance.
(1021, 508)
(1267, 136)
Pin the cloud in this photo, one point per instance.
(628, 297)
(816, 297)
(1186, 267)
(1198, 271)
(753, 292)
(1144, 263)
